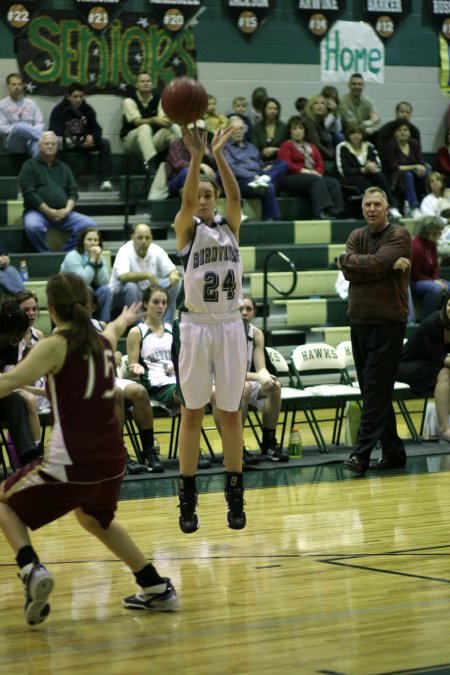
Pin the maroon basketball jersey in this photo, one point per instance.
(85, 444)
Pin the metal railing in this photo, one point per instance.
(267, 282)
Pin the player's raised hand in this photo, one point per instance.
(132, 313)
(221, 138)
(195, 140)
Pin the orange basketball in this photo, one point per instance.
(184, 100)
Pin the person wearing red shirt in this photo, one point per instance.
(305, 175)
(443, 158)
(425, 282)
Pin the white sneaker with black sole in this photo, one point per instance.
(38, 586)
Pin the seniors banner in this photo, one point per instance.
(58, 49)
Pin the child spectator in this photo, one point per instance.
(239, 105)
(214, 120)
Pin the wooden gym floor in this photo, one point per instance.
(332, 575)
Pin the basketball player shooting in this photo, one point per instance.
(210, 333)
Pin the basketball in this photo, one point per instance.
(184, 100)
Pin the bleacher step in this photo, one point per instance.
(98, 197)
(285, 337)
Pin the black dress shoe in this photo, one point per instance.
(353, 464)
(385, 463)
(323, 215)
(333, 213)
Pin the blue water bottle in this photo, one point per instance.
(23, 269)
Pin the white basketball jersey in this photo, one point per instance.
(212, 270)
(156, 355)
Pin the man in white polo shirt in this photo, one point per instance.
(139, 264)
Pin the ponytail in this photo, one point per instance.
(68, 295)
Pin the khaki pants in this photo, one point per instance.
(144, 140)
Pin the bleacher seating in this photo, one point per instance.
(313, 312)
(311, 245)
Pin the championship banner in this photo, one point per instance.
(59, 49)
(319, 15)
(385, 15)
(98, 14)
(249, 15)
(17, 15)
(351, 47)
(175, 15)
(439, 13)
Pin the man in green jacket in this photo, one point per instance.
(50, 194)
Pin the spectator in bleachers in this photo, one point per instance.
(178, 159)
(21, 120)
(75, 123)
(268, 134)
(10, 280)
(426, 285)
(425, 363)
(319, 135)
(443, 158)
(259, 95)
(141, 263)
(437, 201)
(333, 120)
(214, 120)
(171, 174)
(300, 105)
(255, 178)
(405, 167)
(50, 194)
(145, 127)
(359, 165)
(355, 107)
(239, 107)
(403, 111)
(87, 261)
(306, 173)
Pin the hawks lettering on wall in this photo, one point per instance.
(59, 49)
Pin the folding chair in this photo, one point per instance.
(133, 434)
(5, 452)
(3, 446)
(320, 372)
(294, 399)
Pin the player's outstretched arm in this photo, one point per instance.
(229, 182)
(195, 142)
(46, 356)
(128, 316)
